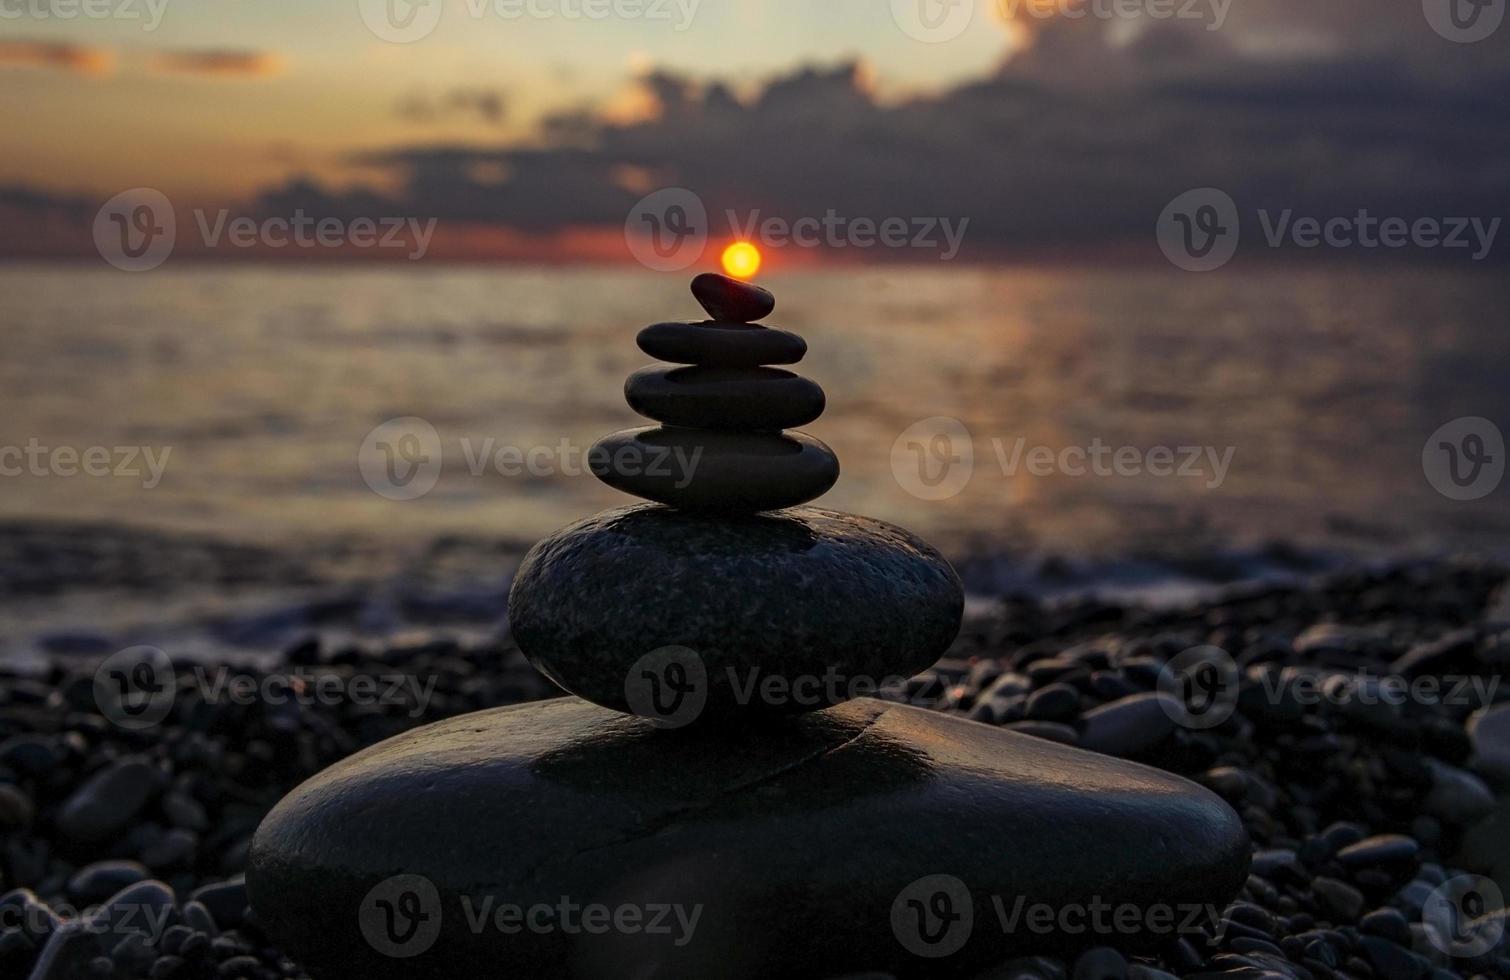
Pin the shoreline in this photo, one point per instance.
(211, 597)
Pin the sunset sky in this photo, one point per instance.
(1039, 127)
(312, 84)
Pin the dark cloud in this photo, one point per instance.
(78, 58)
(1084, 137)
(89, 60)
(487, 105)
(1079, 140)
(231, 63)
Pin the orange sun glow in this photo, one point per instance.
(741, 260)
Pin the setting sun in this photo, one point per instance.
(741, 260)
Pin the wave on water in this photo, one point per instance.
(204, 598)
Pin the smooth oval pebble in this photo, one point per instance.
(721, 343)
(226, 900)
(1380, 849)
(142, 908)
(1130, 726)
(747, 399)
(1490, 730)
(729, 299)
(705, 469)
(830, 820)
(96, 882)
(109, 801)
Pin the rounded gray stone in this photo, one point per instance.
(806, 850)
(777, 613)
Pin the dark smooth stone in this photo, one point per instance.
(1231, 782)
(1111, 685)
(30, 753)
(198, 918)
(175, 848)
(66, 954)
(1101, 963)
(721, 343)
(1341, 900)
(16, 808)
(185, 811)
(1381, 849)
(704, 469)
(1054, 731)
(748, 399)
(730, 299)
(1390, 962)
(1055, 702)
(109, 801)
(1344, 833)
(802, 847)
(1252, 915)
(1490, 730)
(21, 907)
(1252, 944)
(1237, 930)
(1279, 864)
(100, 880)
(134, 955)
(226, 900)
(1139, 971)
(1388, 923)
(143, 909)
(1453, 653)
(818, 601)
(1007, 685)
(1457, 796)
(1130, 726)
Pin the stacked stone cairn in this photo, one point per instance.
(802, 842)
(721, 418)
(726, 599)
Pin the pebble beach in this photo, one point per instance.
(1360, 808)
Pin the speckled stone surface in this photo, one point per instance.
(798, 844)
(707, 469)
(748, 399)
(791, 594)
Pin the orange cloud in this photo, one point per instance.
(223, 62)
(48, 54)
